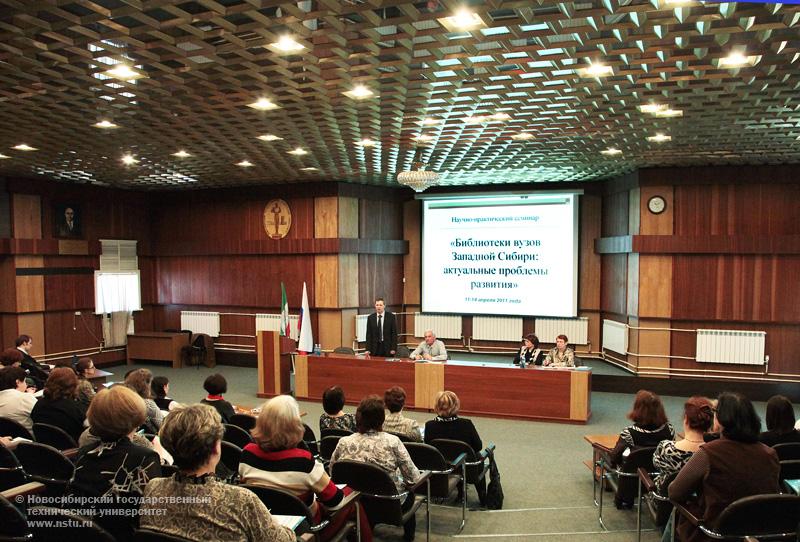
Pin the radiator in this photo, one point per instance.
(576, 329)
(201, 322)
(361, 327)
(272, 322)
(443, 325)
(730, 346)
(615, 336)
(497, 328)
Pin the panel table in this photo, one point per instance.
(157, 346)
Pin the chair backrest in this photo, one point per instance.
(402, 351)
(787, 450)
(310, 440)
(245, 421)
(44, 463)
(146, 535)
(12, 428)
(231, 456)
(760, 515)
(327, 446)
(236, 435)
(639, 458)
(453, 448)
(53, 436)
(403, 438)
(11, 472)
(334, 432)
(13, 525)
(426, 457)
(70, 527)
(790, 469)
(344, 350)
(379, 496)
(281, 502)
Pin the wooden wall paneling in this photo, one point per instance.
(657, 343)
(69, 292)
(588, 260)
(634, 213)
(8, 330)
(412, 232)
(348, 326)
(33, 324)
(30, 288)
(8, 278)
(329, 332)
(326, 281)
(27, 222)
(595, 344)
(380, 276)
(660, 224)
(655, 286)
(348, 217)
(348, 280)
(632, 286)
(633, 342)
(380, 219)
(5, 211)
(615, 220)
(66, 332)
(72, 248)
(326, 217)
(147, 280)
(143, 319)
(613, 294)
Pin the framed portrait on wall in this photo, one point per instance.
(67, 221)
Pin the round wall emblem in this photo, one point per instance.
(277, 219)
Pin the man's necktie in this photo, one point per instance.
(380, 329)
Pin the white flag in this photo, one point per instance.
(306, 343)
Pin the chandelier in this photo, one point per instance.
(418, 178)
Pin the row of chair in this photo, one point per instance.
(42, 432)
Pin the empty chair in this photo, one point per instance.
(245, 421)
(69, 527)
(380, 498)
(344, 350)
(13, 525)
(624, 480)
(231, 455)
(446, 478)
(402, 351)
(310, 440)
(53, 436)
(477, 465)
(45, 464)
(327, 446)
(146, 535)
(765, 517)
(787, 451)
(284, 503)
(12, 428)
(236, 435)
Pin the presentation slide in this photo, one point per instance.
(498, 254)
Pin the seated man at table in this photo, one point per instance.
(430, 349)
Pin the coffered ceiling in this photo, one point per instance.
(719, 81)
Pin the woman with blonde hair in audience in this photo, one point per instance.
(115, 466)
(58, 405)
(193, 503)
(139, 380)
(780, 422)
(275, 460)
(732, 467)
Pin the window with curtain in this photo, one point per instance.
(116, 292)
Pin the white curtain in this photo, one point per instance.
(116, 329)
(115, 292)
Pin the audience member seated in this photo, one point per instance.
(334, 417)
(15, 404)
(11, 357)
(560, 356)
(37, 372)
(58, 406)
(395, 422)
(780, 422)
(671, 456)
(84, 369)
(275, 461)
(732, 467)
(372, 445)
(160, 389)
(216, 385)
(226, 513)
(139, 380)
(114, 466)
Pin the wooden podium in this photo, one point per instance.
(274, 363)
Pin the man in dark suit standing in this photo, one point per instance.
(381, 331)
(35, 371)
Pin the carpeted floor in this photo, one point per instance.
(548, 489)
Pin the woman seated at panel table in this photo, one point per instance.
(530, 353)
(561, 355)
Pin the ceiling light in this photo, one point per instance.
(611, 151)
(463, 19)
(181, 154)
(366, 143)
(736, 60)
(299, 151)
(3, 156)
(659, 138)
(670, 113)
(244, 163)
(652, 108)
(105, 124)
(124, 72)
(263, 104)
(309, 169)
(286, 45)
(476, 119)
(24, 147)
(422, 138)
(430, 121)
(129, 160)
(359, 92)
(269, 137)
(500, 116)
(596, 70)
(522, 136)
